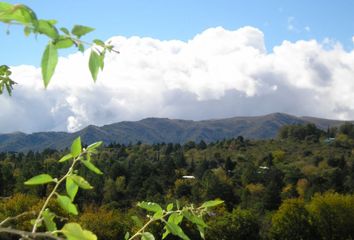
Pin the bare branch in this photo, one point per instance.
(5, 198)
(16, 217)
(30, 235)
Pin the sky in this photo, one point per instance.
(185, 59)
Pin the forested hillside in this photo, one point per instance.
(298, 186)
(159, 130)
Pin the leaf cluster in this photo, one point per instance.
(172, 217)
(5, 81)
(66, 200)
(59, 38)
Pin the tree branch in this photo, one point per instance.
(5, 198)
(16, 217)
(30, 235)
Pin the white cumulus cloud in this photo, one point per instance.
(219, 73)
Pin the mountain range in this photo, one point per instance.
(158, 130)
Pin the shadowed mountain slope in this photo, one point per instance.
(157, 130)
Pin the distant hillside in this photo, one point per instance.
(155, 130)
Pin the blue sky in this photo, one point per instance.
(183, 19)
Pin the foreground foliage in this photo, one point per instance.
(22, 15)
(59, 38)
(171, 217)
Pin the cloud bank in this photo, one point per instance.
(219, 73)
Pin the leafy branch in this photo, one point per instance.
(62, 38)
(5, 81)
(172, 217)
(45, 178)
(65, 201)
(59, 38)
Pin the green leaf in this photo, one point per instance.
(47, 28)
(8, 89)
(80, 181)
(91, 167)
(64, 43)
(66, 204)
(169, 207)
(201, 232)
(52, 21)
(94, 145)
(71, 188)
(27, 13)
(94, 64)
(40, 179)
(150, 206)
(79, 30)
(126, 236)
(176, 230)
(39, 224)
(5, 80)
(48, 218)
(27, 30)
(166, 233)
(81, 47)
(49, 63)
(147, 236)
(158, 215)
(211, 203)
(65, 30)
(194, 219)
(76, 147)
(33, 221)
(66, 157)
(175, 218)
(17, 13)
(73, 231)
(99, 42)
(93, 151)
(5, 70)
(4, 7)
(110, 48)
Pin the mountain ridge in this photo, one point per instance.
(157, 130)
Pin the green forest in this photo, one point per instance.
(297, 186)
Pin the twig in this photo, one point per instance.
(141, 230)
(16, 217)
(5, 198)
(29, 235)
